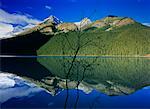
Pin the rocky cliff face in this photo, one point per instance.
(84, 22)
(47, 27)
(66, 27)
(112, 22)
(98, 24)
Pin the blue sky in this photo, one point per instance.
(73, 10)
(16, 14)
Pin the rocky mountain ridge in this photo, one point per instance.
(109, 23)
(53, 25)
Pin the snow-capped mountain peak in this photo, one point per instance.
(52, 19)
(83, 22)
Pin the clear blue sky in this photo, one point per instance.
(73, 10)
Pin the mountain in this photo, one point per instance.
(84, 22)
(111, 35)
(52, 19)
(110, 22)
(66, 27)
(47, 27)
(129, 40)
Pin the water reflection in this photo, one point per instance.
(12, 86)
(88, 81)
(24, 66)
(26, 95)
(113, 76)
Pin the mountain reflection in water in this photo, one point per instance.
(123, 77)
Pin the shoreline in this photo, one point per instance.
(104, 56)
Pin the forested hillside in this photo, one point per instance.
(132, 39)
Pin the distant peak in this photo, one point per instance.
(85, 21)
(52, 19)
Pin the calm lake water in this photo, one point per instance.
(86, 82)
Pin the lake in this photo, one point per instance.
(83, 82)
